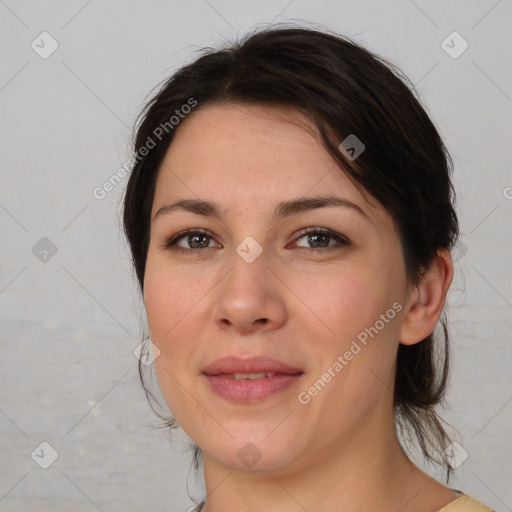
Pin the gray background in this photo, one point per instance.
(70, 320)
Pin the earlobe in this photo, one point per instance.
(426, 302)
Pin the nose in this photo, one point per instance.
(250, 298)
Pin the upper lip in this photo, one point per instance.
(258, 364)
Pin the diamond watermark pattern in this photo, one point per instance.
(44, 250)
(455, 455)
(249, 249)
(352, 147)
(249, 455)
(454, 45)
(44, 45)
(146, 352)
(44, 455)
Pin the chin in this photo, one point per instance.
(253, 453)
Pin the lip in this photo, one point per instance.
(250, 391)
(256, 364)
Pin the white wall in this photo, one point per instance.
(69, 325)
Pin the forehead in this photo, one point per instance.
(251, 154)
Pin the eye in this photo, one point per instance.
(189, 241)
(320, 238)
(194, 240)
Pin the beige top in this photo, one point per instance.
(463, 503)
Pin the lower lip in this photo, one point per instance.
(247, 391)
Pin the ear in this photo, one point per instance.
(426, 301)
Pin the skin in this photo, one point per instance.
(339, 451)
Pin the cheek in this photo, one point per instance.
(167, 306)
(170, 298)
(161, 306)
(361, 318)
(346, 302)
(357, 357)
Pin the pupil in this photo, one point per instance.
(315, 238)
(191, 239)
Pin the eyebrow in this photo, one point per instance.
(282, 210)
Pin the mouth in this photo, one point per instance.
(249, 380)
(248, 376)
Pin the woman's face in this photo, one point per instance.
(322, 311)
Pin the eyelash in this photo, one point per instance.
(170, 244)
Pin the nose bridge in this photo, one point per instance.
(246, 296)
(248, 266)
(249, 250)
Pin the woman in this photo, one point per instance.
(290, 217)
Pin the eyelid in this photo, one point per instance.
(170, 243)
(342, 239)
